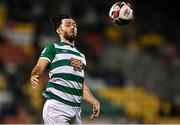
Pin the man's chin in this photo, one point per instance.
(71, 39)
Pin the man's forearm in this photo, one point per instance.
(37, 71)
(87, 95)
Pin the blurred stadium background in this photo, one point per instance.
(133, 70)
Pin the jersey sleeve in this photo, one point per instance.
(48, 52)
(85, 65)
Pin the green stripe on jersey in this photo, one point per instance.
(60, 51)
(64, 62)
(68, 76)
(48, 52)
(53, 96)
(65, 89)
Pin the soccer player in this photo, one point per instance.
(66, 86)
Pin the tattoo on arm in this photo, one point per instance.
(37, 71)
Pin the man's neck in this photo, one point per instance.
(68, 42)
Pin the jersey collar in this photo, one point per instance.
(64, 43)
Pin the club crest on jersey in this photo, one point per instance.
(77, 64)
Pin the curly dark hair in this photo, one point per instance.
(56, 21)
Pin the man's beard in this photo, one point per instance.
(70, 38)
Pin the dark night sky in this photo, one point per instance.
(167, 8)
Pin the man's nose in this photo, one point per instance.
(73, 27)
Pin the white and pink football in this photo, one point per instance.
(121, 13)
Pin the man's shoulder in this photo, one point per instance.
(49, 45)
(81, 54)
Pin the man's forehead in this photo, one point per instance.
(68, 21)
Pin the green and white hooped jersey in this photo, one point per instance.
(66, 71)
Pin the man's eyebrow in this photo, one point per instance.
(70, 23)
(67, 22)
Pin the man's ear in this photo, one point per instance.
(59, 30)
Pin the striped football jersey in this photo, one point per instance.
(66, 72)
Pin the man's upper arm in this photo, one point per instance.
(47, 55)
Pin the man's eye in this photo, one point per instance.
(67, 25)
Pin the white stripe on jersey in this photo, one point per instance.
(65, 96)
(65, 83)
(68, 48)
(67, 69)
(45, 58)
(67, 56)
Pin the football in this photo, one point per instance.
(121, 13)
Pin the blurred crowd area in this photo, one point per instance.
(133, 70)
